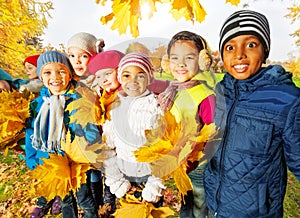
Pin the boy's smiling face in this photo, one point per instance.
(56, 77)
(243, 56)
(184, 57)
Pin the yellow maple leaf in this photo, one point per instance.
(134, 208)
(85, 109)
(233, 2)
(106, 104)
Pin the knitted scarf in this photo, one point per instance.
(49, 128)
(166, 98)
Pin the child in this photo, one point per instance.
(104, 66)
(258, 111)
(33, 84)
(45, 132)
(5, 81)
(80, 48)
(191, 100)
(135, 110)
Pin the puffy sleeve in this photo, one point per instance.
(291, 137)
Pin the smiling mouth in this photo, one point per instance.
(241, 67)
(55, 83)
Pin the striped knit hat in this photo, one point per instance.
(136, 59)
(246, 22)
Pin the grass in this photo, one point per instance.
(17, 198)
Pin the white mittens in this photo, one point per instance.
(153, 189)
(114, 178)
(119, 188)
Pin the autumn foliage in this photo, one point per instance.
(127, 13)
(21, 25)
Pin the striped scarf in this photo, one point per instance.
(166, 98)
(49, 128)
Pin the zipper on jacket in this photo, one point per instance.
(228, 118)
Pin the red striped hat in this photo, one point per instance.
(136, 59)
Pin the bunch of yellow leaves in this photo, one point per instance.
(57, 176)
(127, 13)
(171, 146)
(106, 104)
(135, 208)
(14, 110)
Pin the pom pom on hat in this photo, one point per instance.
(86, 42)
(136, 59)
(53, 57)
(105, 60)
(5, 76)
(246, 22)
(32, 59)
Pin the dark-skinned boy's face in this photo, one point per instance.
(243, 56)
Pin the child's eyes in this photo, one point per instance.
(190, 57)
(229, 47)
(46, 72)
(62, 72)
(251, 45)
(85, 56)
(141, 76)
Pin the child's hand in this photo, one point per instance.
(119, 188)
(153, 189)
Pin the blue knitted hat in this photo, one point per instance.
(4, 75)
(53, 57)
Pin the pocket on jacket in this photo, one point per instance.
(252, 136)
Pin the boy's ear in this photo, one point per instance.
(205, 60)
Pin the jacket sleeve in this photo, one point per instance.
(30, 152)
(291, 137)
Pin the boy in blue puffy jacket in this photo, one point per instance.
(258, 113)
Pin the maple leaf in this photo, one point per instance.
(233, 2)
(106, 104)
(133, 207)
(85, 109)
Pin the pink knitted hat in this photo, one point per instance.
(136, 59)
(104, 60)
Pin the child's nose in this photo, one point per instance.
(181, 62)
(240, 54)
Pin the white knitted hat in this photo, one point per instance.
(86, 42)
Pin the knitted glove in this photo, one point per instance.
(114, 178)
(118, 187)
(153, 189)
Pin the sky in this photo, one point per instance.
(72, 16)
